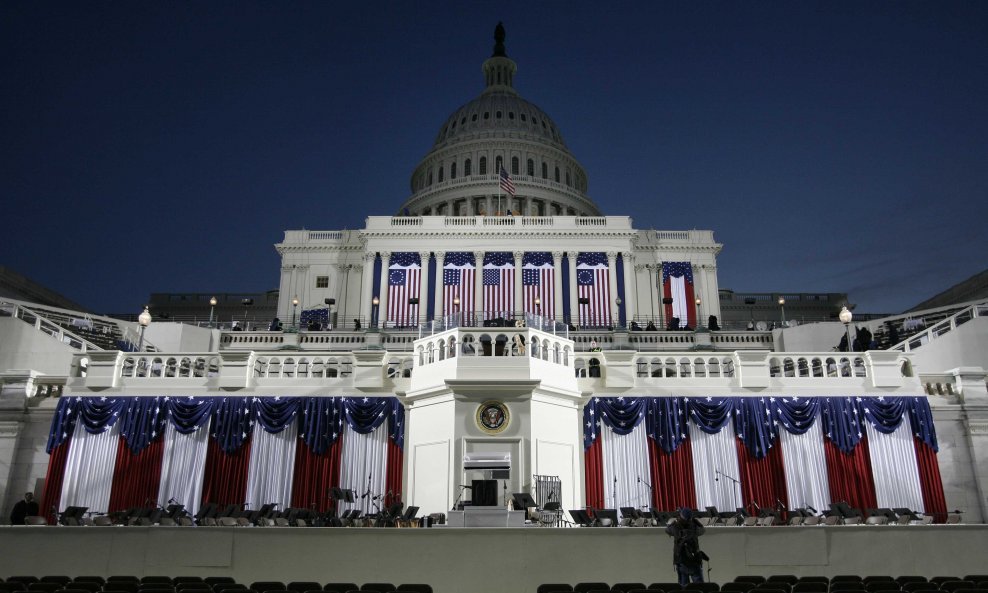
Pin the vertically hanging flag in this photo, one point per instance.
(593, 289)
(677, 283)
(404, 281)
(458, 282)
(499, 285)
(538, 279)
(507, 185)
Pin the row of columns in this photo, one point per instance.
(367, 290)
(491, 204)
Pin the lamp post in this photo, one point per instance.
(699, 318)
(782, 309)
(246, 303)
(212, 309)
(845, 317)
(456, 310)
(294, 308)
(375, 302)
(145, 320)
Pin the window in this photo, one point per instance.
(483, 165)
(514, 165)
(511, 115)
(568, 178)
(531, 168)
(322, 281)
(487, 115)
(522, 117)
(498, 115)
(430, 177)
(466, 168)
(473, 117)
(545, 172)
(441, 173)
(452, 171)
(557, 175)
(498, 165)
(463, 120)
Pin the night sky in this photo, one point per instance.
(165, 146)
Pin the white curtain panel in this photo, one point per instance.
(89, 469)
(806, 468)
(625, 465)
(680, 308)
(364, 456)
(713, 453)
(183, 466)
(272, 465)
(893, 466)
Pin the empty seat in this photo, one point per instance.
(157, 580)
(554, 588)
(789, 579)
(875, 586)
(625, 587)
(219, 580)
(85, 586)
(417, 587)
(767, 589)
(193, 586)
(811, 587)
(217, 588)
(89, 579)
(739, 587)
(63, 580)
(125, 586)
(666, 586)
(303, 586)
(704, 587)
(23, 579)
(587, 587)
(341, 587)
(12, 587)
(949, 586)
(379, 587)
(938, 580)
(846, 578)
(754, 579)
(264, 586)
(52, 587)
(974, 578)
(123, 578)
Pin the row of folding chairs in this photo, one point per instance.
(163, 584)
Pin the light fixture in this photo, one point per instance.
(375, 302)
(212, 309)
(294, 308)
(782, 309)
(699, 317)
(845, 317)
(145, 320)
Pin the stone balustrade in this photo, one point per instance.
(555, 223)
(488, 353)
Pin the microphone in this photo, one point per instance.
(467, 487)
(779, 503)
(364, 495)
(812, 509)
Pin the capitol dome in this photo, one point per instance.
(459, 175)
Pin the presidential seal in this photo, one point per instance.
(492, 416)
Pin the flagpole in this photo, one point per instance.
(499, 192)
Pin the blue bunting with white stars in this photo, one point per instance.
(230, 420)
(757, 421)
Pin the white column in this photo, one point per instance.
(557, 283)
(424, 288)
(382, 310)
(574, 309)
(612, 285)
(519, 305)
(367, 288)
(438, 313)
(478, 288)
(630, 300)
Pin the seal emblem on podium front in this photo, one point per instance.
(493, 416)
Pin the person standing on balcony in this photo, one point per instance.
(23, 509)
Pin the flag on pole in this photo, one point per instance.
(499, 284)
(404, 281)
(677, 284)
(506, 183)
(538, 279)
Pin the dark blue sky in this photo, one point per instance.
(164, 147)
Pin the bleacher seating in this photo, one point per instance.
(821, 584)
(164, 584)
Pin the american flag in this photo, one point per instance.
(404, 281)
(506, 183)
(458, 281)
(593, 283)
(538, 280)
(499, 284)
(677, 283)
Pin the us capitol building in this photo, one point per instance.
(500, 330)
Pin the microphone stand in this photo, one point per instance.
(651, 491)
(459, 496)
(737, 484)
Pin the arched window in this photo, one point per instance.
(441, 173)
(473, 117)
(430, 177)
(530, 169)
(452, 171)
(466, 168)
(498, 115)
(557, 175)
(567, 178)
(498, 165)
(483, 165)
(545, 172)
(514, 165)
